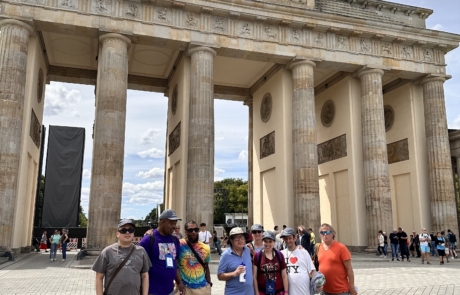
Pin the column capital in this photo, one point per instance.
(248, 102)
(305, 62)
(17, 23)
(363, 72)
(432, 79)
(201, 48)
(115, 36)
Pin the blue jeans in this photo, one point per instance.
(53, 251)
(64, 250)
(394, 250)
(434, 251)
(385, 249)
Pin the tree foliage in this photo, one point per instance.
(236, 200)
(82, 220)
(39, 205)
(153, 216)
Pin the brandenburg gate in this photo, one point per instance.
(347, 119)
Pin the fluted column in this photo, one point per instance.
(375, 157)
(248, 102)
(304, 146)
(200, 164)
(14, 40)
(109, 141)
(442, 196)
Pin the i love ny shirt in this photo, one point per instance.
(298, 268)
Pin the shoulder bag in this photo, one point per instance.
(198, 257)
(119, 268)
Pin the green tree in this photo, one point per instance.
(153, 214)
(39, 205)
(236, 198)
(82, 220)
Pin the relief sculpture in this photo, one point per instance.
(333, 149)
(327, 113)
(35, 129)
(191, 21)
(132, 10)
(100, 5)
(162, 14)
(245, 30)
(219, 24)
(398, 151)
(174, 140)
(174, 101)
(269, 33)
(365, 46)
(267, 145)
(389, 116)
(266, 108)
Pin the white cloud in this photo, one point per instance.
(86, 173)
(152, 153)
(218, 172)
(58, 99)
(456, 123)
(243, 156)
(437, 27)
(152, 173)
(148, 136)
(144, 193)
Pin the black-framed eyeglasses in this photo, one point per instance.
(126, 230)
(328, 232)
(191, 230)
(256, 231)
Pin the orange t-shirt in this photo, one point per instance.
(331, 265)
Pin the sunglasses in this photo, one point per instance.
(126, 230)
(191, 230)
(256, 231)
(328, 232)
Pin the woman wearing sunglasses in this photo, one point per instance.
(335, 263)
(257, 244)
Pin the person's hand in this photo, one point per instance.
(240, 269)
(299, 247)
(181, 288)
(320, 289)
(149, 232)
(251, 249)
(353, 292)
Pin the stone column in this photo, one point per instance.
(442, 197)
(248, 102)
(304, 146)
(109, 141)
(200, 163)
(14, 43)
(375, 157)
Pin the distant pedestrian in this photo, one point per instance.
(122, 268)
(177, 232)
(447, 245)
(205, 236)
(434, 250)
(381, 244)
(235, 266)
(425, 240)
(385, 245)
(453, 243)
(217, 242)
(36, 244)
(303, 238)
(394, 242)
(163, 249)
(411, 246)
(335, 263)
(416, 244)
(269, 268)
(403, 244)
(256, 245)
(44, 242)
(311, 251)
(63, 241)
(54, 240)
(441, 247)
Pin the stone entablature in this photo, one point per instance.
(294, 33)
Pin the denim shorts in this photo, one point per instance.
(425, 249)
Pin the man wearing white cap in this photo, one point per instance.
(163, 249)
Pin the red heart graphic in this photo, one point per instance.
(293, 260)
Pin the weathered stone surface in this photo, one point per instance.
(200, 165)
(174, 139)
(13, 65)
(35, 130)
(267, 145)
(333, 149)
(376, 176)
(305, 152)
(249, 103)
(109, 141)
(398, 151)
(442, 197)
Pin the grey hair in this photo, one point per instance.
(330, 228)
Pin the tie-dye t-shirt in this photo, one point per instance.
(191, 271)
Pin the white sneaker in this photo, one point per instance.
(381, 256)
(51, 259)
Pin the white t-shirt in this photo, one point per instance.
(204, 236)
(298, 268)
(423, 236)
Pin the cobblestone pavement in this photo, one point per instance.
(35, 274)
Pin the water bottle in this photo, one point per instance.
(243, 274)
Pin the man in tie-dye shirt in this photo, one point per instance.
(195, 276)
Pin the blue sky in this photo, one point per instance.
(73, 105)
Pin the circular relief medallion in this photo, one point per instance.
(266, 108)
(389, 115)
(328, 113)
(174, 101)
(40, 86)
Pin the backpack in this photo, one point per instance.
(452, 238)
(258, 256)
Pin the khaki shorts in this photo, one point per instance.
(188, 291)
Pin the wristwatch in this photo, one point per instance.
(210, 284)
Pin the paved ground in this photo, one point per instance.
(34, 273)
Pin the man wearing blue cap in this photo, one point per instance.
(122, 266)
(163, 249)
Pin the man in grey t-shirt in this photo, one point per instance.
(128, 280)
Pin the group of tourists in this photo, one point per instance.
(57, 239)
(421, 245)
(167, 263)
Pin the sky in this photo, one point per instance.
(73, 105)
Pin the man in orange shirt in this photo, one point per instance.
(335, 263)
